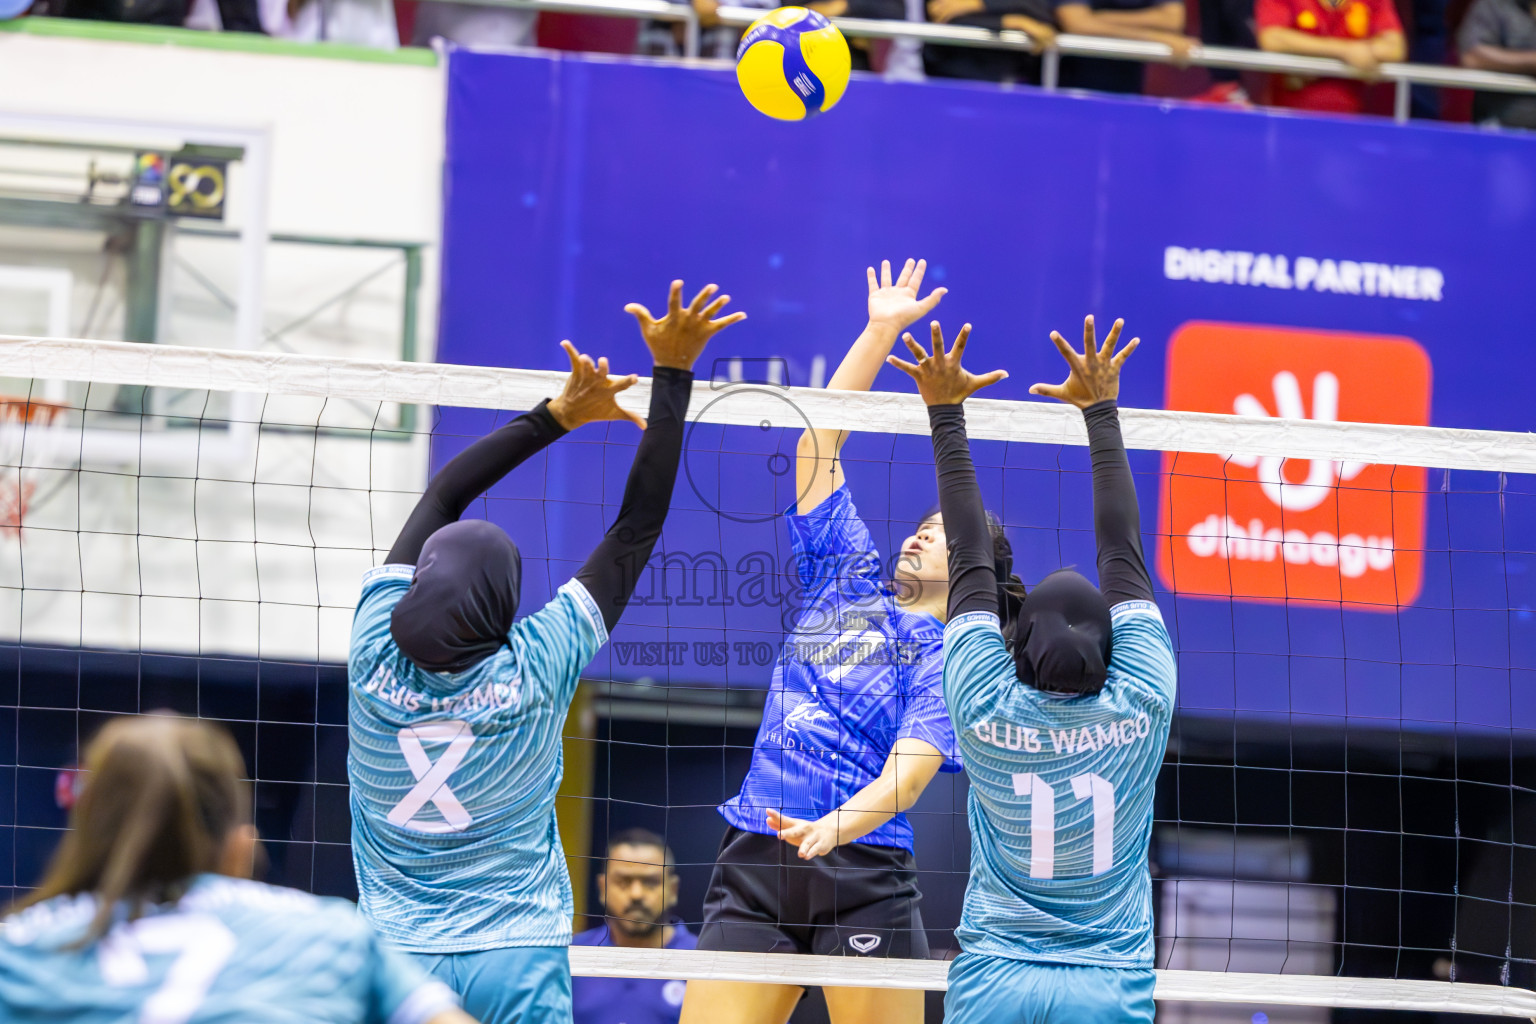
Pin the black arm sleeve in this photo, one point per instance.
(972, 575)
(470, 474)
(613, 569)
(1123, 572)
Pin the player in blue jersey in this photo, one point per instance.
(147, 912)
(456, 709)
(854, 728)
(1062, 721)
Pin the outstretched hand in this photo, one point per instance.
(811, 838)
(896, 305)
(1095, 374)
(941, 380)
(589, 393)
(677, 338)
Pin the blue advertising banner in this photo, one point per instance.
(1272, 265)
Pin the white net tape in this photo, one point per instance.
(480, 387)
(1181, 986)
(114, 363)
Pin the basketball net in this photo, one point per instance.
(22, 453)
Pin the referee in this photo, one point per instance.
(1062, 725)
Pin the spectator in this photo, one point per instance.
(638, 888)
(1500, 35)
(369, 23)
(1156, 21)
(719, 41)
(473, 25)
(1226, 23)
(1428, 34)
(665, 38)
(1361, 33)
(885, 10)
(235, 15)
(1033, 17)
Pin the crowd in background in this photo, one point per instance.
(1495, 35)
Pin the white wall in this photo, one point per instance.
(251, 547)
(358, 147)
(257, 552)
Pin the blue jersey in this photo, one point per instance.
(856, 674)
(454, 777)
(629, 1000)
(1061, 795)
(229, 950)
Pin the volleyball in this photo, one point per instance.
(793, 64)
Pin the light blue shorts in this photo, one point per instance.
(517, 985)
(996, 990)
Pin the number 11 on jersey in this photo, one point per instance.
(1042, 820)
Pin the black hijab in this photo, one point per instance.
(462, 598)
(1061, 639)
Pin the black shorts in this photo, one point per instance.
(858, 900)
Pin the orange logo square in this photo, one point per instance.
(1271, 529)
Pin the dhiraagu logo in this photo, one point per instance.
(1274, 529)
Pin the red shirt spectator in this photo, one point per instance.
(1362, 33)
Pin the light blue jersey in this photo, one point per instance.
(229, 950)
(454, 776)
(1061, 795)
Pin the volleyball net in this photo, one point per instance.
(1344, 815)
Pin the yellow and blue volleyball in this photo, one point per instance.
(793, 64)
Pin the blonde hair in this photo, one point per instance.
(162, 794)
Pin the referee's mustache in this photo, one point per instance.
(638, 913)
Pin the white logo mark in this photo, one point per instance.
(806, 714)
(432, 778)
(1321, 478)
(863, 943)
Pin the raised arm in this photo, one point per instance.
(893, 306)
(1167, 16)
(1080, 18)
(945, 385)
(1481, 42)
(1093, 385)
(675, 341)
(588, 396)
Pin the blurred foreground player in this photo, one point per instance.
(147, 912)
(456, 710)
(638, 888)
(1062, 724)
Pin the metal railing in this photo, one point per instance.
(1404, 76)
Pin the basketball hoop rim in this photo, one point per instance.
(34, 410)
(18, 483)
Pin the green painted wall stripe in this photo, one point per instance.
(238, 42)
